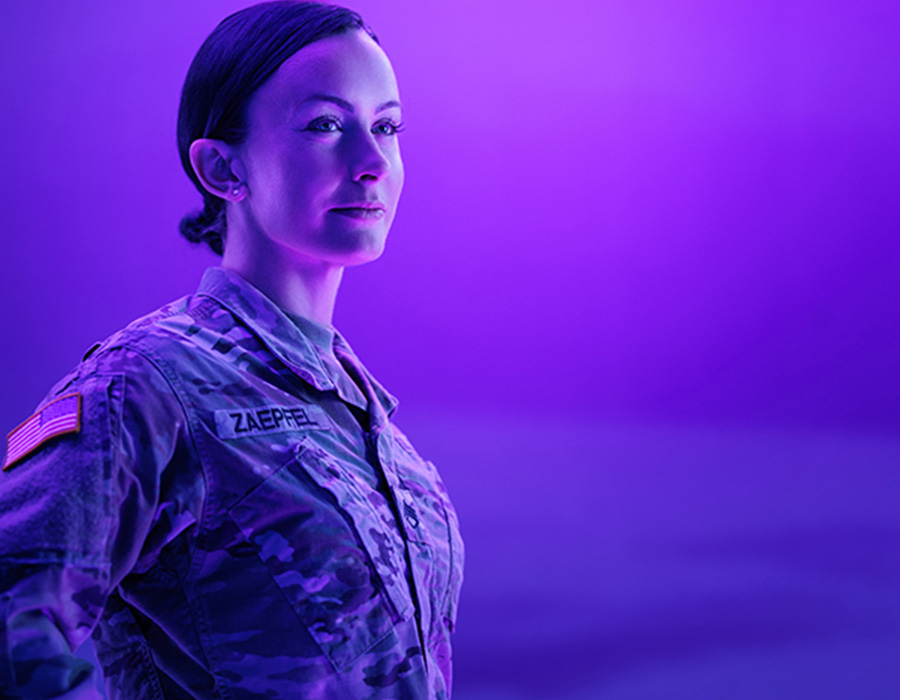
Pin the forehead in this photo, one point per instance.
(350, 66)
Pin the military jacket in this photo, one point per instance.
(234, 515)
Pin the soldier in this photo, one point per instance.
(217, 492)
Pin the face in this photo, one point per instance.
(321, 160)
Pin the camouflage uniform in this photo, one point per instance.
(237, 517)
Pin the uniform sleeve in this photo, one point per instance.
(75, 518)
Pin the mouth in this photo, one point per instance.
(365, 211)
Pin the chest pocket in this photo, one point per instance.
(436, 517)
(457, 559)
(324, 544)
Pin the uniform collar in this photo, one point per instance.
(277, 332)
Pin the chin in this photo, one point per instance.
(361, 257)
(360, 250)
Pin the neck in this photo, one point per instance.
(293, 281)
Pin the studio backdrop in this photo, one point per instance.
(641, 303)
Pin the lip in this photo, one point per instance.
(360, 210)
(361, 205)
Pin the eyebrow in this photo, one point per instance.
(343, 104)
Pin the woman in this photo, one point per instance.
(217, 492)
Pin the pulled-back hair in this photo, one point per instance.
(232, 64)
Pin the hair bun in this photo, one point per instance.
(206, 225)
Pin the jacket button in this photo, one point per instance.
(411, 516)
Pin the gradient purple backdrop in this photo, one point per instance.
(641, 302)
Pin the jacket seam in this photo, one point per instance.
(196, 553)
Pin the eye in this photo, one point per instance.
(324, 125)
(388, 128)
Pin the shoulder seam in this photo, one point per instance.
(148, 355)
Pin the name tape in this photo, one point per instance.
(247, 422)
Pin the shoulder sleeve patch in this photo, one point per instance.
(59, 417)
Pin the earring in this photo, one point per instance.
(237, 190)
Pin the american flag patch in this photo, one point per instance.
(60, 416)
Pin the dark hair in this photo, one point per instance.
(231, 65)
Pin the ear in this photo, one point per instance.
(217, 169)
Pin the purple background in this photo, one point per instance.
(641, 303)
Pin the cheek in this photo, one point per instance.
(397, 176)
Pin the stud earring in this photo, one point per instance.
(236, 191)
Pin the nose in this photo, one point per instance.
(368, 162)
